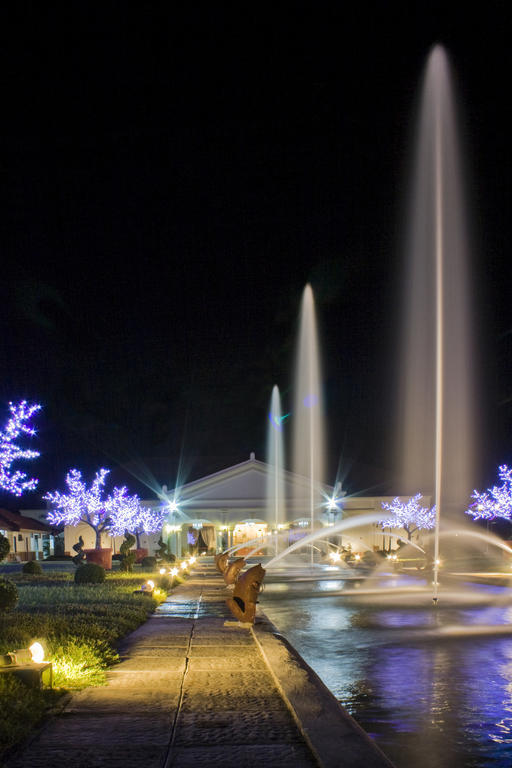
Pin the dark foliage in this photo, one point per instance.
(90, 573)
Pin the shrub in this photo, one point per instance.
(8, 594)
(163, 552)
(165, 583)
(127, 563)
(32, 566)
(79, 558)
(128, 557)
(78, 662)
(90, 573)
(148, 563)
(5, 547)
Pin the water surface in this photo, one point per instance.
(433, 687)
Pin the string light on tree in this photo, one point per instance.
(495, 501)
(89, 505)
(16, 482)
(135, 518)
(409, 515)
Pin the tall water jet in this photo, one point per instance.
(438, 443)
(308, 430)
(275, 461)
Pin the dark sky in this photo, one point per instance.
(172, 174)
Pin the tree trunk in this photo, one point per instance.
(98, 538)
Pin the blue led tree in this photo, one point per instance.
(16, 482)
(409, 515)
(495, 501)
(89, 505)
(137, 519)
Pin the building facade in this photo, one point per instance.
(29, 539)
(234, 507)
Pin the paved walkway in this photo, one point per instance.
(189, 692)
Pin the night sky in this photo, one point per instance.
(173, 174)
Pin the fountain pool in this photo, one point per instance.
(433, 687)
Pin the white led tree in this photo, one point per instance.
(409, 515)
(137, 519)
(89, 505)
(15, 481)
(495, 501)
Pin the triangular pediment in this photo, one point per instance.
(247, 484)
(240, 487)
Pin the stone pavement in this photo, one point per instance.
(189, 691)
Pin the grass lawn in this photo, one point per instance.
(79, 627)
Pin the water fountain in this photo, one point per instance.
(275, 460)
(413, 676)
(308, 420)
(437, 441)
(375, 640)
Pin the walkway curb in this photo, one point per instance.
(333, 736)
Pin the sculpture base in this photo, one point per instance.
(238, 624)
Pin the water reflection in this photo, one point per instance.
(503, 732)
(430, 694)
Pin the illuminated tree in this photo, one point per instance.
(408, 515)
(16, 482)
(88, 505)
(496, 501)
(137, 519)
(150, 520)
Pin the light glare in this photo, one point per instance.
(37, 651)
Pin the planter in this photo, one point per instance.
(140, 554)
(101, 557)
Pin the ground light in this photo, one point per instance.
(174, 571)
(28, 665)
(37, 652)
(146, 589)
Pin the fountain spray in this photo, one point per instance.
(438, 443)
